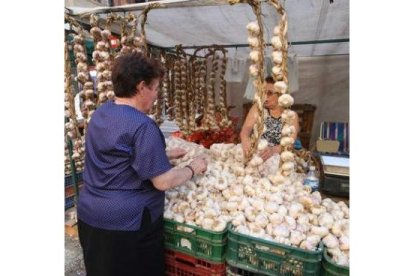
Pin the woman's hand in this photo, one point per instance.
(199, 164)
(269, 152)
(176, 153)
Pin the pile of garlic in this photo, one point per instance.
(268, 206)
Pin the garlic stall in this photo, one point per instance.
(264, 200)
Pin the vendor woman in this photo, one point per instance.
(272, 121)
(127, 170)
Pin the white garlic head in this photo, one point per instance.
(285, 100)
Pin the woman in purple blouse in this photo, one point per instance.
(127, 170)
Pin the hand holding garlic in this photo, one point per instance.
(199, 164)
(176, 153)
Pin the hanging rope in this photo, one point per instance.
(144, 15)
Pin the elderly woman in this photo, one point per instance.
(272, 120)
(127, 169)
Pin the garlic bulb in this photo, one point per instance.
(253, 41)
(276, 70)
(281, 231)
(285, 100)
(253, 27)
(277, 57)
(288, 166)
(280, 86)
(326, 220)
(295, 210)
(288, 130)
(286, 141)
(330, 241)
(254, 70)
(310, 242)
(276, 43)
(296, 237)
(344, 243)
(320, 231)
(254, 55)
(262, 144)
(287, 156)
(276, 30)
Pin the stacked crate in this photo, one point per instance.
(193, 251)
(265, 257)
(70, 190)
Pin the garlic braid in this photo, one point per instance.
(256, 42)
(100, 57)
(196, 83)
(177, 93)
(210, 119)
(169, 103)
(192, 103)
(72, 127)
(83, 77)
(184, 93)
(164, 87)
(225, 122)
(280, 73)
(203, 88)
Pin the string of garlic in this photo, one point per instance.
(101, 58)
(178, 116)
(191, 97)
(256, 42)
(157, 108)
(211, 107)
(82, 76)
(197, 84)
(225, 122)
(280, 74)
(66, 160)
(184, 93)
(203, 91)
(163, 97)
(169, 102)
(72, 126)
(144, 15)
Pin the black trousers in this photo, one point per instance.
(124, 253)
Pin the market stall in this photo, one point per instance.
(244, 215)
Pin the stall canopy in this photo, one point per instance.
(318, 32)
(316, 27)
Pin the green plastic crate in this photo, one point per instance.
(195, 241)
(329, 268)
(271, 258)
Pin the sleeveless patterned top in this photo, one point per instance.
(273, 129)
